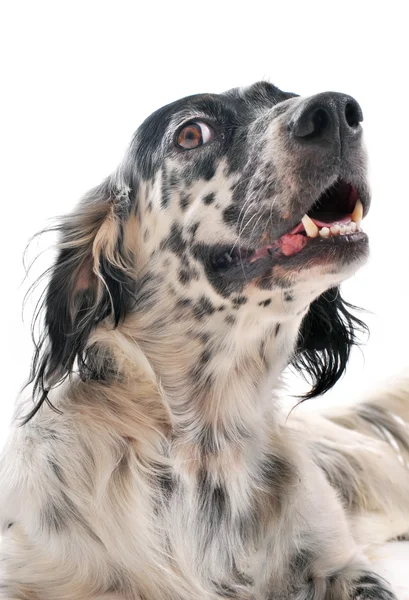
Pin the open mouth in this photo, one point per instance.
(335, 218)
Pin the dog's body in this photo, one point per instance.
(182, 289)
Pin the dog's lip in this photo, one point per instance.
(295, 240)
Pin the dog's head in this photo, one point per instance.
(249, 200)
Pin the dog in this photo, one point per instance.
(153, 460)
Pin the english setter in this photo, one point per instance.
(156, 462)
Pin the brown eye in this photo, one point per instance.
(194, 135)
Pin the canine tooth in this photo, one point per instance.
(335, 230)
(309, 226)
(324, 232)
(358, 212)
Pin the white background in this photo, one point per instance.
(78, 77)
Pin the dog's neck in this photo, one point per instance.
(216, 370)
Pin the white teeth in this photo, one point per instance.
(310, 227)
(358, 212)
(324, 232)
(313, 231)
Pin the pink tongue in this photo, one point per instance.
(292, 243)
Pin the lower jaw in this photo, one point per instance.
(335, 253)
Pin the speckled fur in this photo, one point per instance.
(169, 471)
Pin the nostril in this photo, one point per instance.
(353, 115)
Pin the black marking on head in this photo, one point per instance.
(175, 242)
(231, 214)
(174, 179)
(203, 308)
(149, 206)
(265, 302)
(288, 296)
(230, 319)
(209, 198)
(10, 525)
(239, 301)
(166, 192)
(185, 199)
(277, 329)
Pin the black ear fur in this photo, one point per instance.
(90, 281)
(328, 333)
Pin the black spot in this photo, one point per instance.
(166, 190)
(277, 472)
(277, 329)
(175, 241)
(193, 229)
(10, 525)
(184, 200)
(149, 206)
(203, 308)
(213, 500)
(201, 336)
(265, 302)
(230, 319)
(231, 214)
(184, 276)
(206, 356)
(288, 296)
(209, 199)
(173, 179)
(183, 302)
(221, 308)
(239, 301)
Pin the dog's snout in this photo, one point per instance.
(327, 116)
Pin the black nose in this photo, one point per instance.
(324, 117)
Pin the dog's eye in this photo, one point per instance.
(193, 135)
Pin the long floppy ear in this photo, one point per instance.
(328, 332)
(90, 280)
